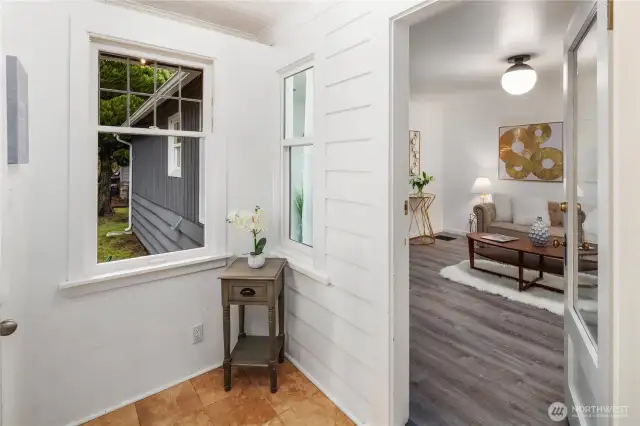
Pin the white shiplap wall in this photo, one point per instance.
(339, 334)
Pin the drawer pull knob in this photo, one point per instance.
(248, 292)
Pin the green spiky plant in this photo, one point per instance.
(298, 204)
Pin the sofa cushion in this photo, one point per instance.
(504, 213)
(527, 209)
(555, 214)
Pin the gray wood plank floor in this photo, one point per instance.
(477, 358)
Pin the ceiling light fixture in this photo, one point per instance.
(520, 77)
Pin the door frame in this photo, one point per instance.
(597, 358)
(400, 97)
(399, 292)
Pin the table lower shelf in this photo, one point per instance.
(255, 351)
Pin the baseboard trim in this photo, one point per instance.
(323, 389)
(461, 232)
(144, 395)
(435, 232)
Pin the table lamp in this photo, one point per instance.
(481, 186)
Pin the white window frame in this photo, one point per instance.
(85, 44)
(309, 261)
(285, 147)
(174, 164)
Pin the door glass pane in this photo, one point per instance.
(586, 173)
(301, 194)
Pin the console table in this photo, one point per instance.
(242, 286)
(420, 204)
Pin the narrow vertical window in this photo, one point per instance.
(297, 146)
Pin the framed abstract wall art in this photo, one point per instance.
(531, 152)
(414, 153)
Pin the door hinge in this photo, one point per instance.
(609, 14)
(406, 207)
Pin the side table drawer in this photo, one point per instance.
(248, 291)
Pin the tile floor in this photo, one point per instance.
(202, 401)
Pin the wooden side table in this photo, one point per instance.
(242, 286)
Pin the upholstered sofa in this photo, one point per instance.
(486, 222)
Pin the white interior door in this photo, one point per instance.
(3, 174)
(587, 217)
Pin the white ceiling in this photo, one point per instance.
(247, 18)
(468, 44)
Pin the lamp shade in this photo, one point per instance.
(482, 185)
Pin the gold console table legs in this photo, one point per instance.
(420, 204)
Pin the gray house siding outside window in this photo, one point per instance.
(160, 202)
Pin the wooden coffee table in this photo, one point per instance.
(524, 255)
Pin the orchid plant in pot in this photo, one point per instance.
(251, 222)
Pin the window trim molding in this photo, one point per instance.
(308, 258)
(85, 35)
(173, 170)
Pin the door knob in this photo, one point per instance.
(557, 243)
(563, 207)
(8, 327)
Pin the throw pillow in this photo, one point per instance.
(527, 209)
(504, 212)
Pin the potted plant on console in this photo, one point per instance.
(419, 181)
(250, 221)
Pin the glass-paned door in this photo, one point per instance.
(587, 216)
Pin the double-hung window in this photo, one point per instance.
(297, 144)
(139, 149)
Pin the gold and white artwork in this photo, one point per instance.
(414, 153)
(531, 152)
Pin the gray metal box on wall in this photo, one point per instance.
(17, 112)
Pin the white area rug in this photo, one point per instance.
(508, 288)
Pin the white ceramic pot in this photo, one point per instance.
(256, 261)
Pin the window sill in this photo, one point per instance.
(142, 275)
(303, 265)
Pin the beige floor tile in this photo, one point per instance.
(293, 387)
(199, 418)
(210, 386)
(317, 410)
(276, 421)
(202, 401)
(125, 416)
(342, 419)
(241, 411)
(169, 406)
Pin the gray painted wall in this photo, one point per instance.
(152, 182)
(160, 200)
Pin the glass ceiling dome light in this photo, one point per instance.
(520, 77)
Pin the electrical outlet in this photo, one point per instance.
(198, 333)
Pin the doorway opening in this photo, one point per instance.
(475, 154)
